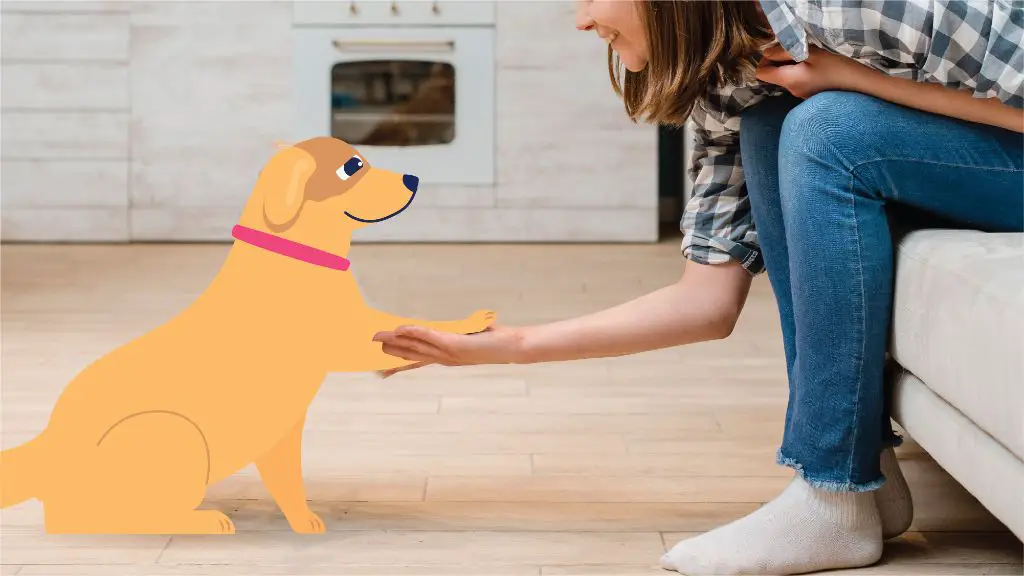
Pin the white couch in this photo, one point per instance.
(958, 340)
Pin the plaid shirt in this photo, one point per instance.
(972, 45)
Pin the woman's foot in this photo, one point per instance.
(895, 505)
(803, 530)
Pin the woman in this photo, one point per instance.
(812, 118)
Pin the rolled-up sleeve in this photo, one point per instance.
(717, 224)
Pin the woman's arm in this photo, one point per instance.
(823, 70)
(938, 99)
(703, 305)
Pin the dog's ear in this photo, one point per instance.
(282, 185)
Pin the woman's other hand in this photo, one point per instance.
(424, 346)
(825, 70)
(820, 72)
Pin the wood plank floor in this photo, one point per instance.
(568, 469)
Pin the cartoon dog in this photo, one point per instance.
(137, 437)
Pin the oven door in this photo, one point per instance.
(414, 100)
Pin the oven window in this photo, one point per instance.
(393, 102)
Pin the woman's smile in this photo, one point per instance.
(619, 24)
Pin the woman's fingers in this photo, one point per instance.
(433, 337)
(788, 76)
(450, 344)
(405, 333)
(407, 354)
(778, 75)
(776, 53)
(419, 343)
(414, 349)
(778, 67)
(393, 371)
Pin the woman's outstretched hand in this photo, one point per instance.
(424, 346)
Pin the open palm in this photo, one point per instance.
(424, 346)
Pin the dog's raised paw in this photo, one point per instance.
(480, 320)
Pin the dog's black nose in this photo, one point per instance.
(411, 182)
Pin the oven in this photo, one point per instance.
(410, 84)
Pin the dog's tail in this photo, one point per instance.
(18, 477)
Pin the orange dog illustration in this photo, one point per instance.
(137, 437)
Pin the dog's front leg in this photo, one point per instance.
(475, 322)
(281, 470)
(368, 356)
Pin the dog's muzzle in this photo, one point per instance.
(411, 183)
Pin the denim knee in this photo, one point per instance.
(840, 126)
(827, 135)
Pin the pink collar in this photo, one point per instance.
(290, 248)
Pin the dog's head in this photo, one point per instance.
(319, 190)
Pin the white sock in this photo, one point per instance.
(803, 530)
(895, 505)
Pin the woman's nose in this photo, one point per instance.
(583, 19)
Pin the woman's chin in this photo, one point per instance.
(632, 63)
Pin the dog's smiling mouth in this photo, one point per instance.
(392, 215)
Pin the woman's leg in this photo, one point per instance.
(760, 140)
(759, 145)
(804, 529)
(841, 158)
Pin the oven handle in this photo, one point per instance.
(384, 45)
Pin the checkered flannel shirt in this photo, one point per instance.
(972, 45)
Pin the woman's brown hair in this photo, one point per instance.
(693, 45)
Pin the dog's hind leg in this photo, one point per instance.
(146, 475)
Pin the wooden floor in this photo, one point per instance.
(584, 468)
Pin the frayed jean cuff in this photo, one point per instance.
(827, 485)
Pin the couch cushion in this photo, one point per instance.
(979, 463)
(958, 324)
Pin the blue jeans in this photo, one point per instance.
(822, 176)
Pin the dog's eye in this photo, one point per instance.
(351, 167)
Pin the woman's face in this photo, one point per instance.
(618, 23)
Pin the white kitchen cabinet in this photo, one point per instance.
(564, 141)
(65, 85)
(43, 36)
(81, 200)
(65, 115)
(65, 183)
(210, 89)
(55, 224)
(64, 6)
(570, 146)
(515, 225)
(65, 135)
